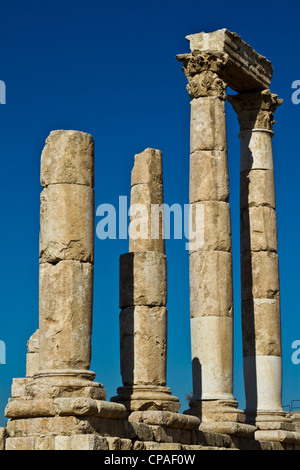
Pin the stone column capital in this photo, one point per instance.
(204, 74)
(255, 110)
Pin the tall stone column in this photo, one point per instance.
(143, 294)
(66, 254)
(211, 291)
(259, 260)
(59, 382)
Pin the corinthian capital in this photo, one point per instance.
(203, 72)
(255, 110)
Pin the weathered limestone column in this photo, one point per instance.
(58, 381)
(66, 253)
(259, 261)
(143, 294)
(211, 294)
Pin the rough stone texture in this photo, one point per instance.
(208, 126)
(81, 442)
(67, 223)
(147, 167)
(147, 194)
(216, 225)
(19, 443)
(55, 384)
(146, 230)
(143, 279)
(256, 151)
(209, 179)
(147, 397)
(258, 229)
(257, 189)
(143, 333)
(68, 157)
(278, 435)
(18, 408)
(230, 428)
(259, 275)
(66, 300)
(210, 284)
(2, 438)
(261, 327)
(33, 357)
(165, 418)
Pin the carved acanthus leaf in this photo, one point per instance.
(203, 74)
(255, 110)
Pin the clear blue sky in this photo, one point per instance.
(110, 69)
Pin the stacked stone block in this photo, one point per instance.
(211, 292)
(143, 294)
(59, 383)
(261, 323)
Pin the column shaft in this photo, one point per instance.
(211, 291)
(66, 252)
(59, 383)
(259, 261)
(143, 294)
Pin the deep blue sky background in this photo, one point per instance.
(110, 69)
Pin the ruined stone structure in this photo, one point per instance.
(143, 297)
(58, 405)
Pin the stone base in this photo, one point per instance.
(56, 384)
(94, 433)
(295, 418)
(275, 426)
(143, 397)
(60, 393)
(268, 419)
(63, 406)
(214, 411)
(245, 431)
(221, 417)
(165, 419)
(2, 438)
(64, 413)
(277, 435)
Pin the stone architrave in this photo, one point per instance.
(259, 260)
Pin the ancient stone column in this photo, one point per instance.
(66, 253)
(211, 293)
(58, 381)
(143, 294)
(259, 260)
